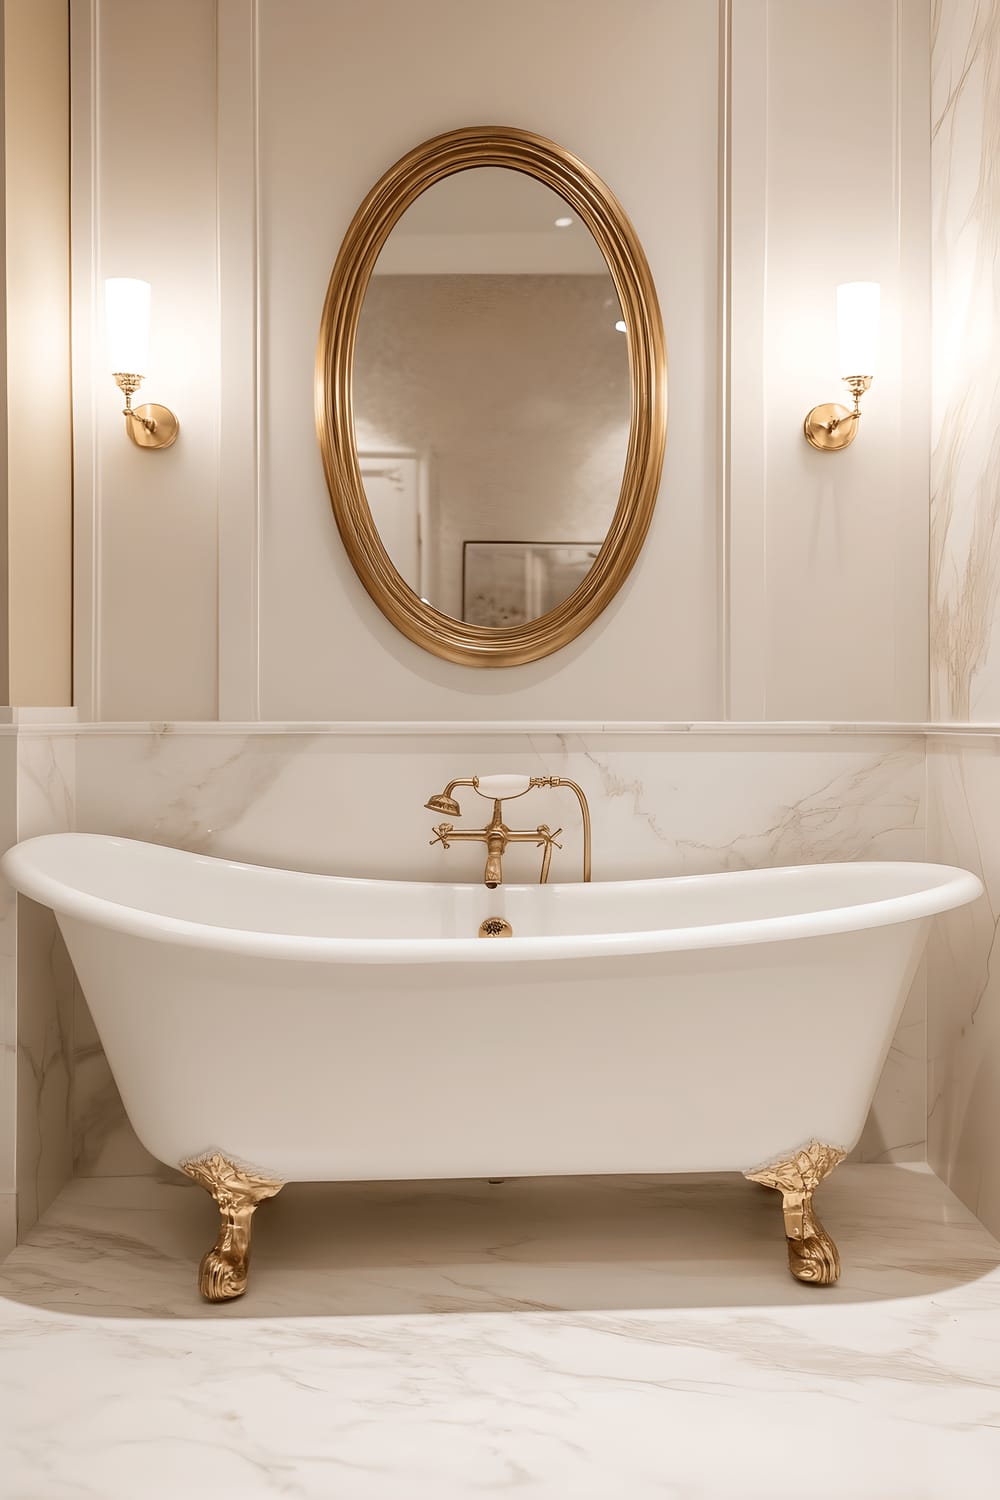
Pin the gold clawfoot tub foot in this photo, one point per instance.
(812, 1255)
(222, 1274)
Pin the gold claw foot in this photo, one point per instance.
(222, 1274)
(812, 1255)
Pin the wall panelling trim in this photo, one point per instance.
(85, 93)
(240, 371)
(502, 728)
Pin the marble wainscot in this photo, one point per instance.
(36, 989)
(8, 1005)
(349, 800)
(963, 1022)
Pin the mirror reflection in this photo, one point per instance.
(492, 403)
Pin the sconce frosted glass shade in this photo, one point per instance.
(858, 327)
(126, 308)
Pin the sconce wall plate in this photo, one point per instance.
(831, 426)
(827, 426)
(152, 426)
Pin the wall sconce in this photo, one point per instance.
(126, 306)
(831, 426)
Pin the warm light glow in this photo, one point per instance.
(858, 327)
(621, 326)
(126, 308)
(563, 223)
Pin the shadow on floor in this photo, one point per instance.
(129, 1247)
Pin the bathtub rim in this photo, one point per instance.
(958, 888)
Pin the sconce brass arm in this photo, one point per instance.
(149, 425)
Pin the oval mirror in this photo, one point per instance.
(490, 396)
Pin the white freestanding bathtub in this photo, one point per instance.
(266, 1026)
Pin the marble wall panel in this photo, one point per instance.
(8, 996)
(965, 464)
(963, 1022)
(45, 990)
(8, 1223)
(661, 804)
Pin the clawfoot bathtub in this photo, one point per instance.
(267, 1027)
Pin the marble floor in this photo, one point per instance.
(583, 1339)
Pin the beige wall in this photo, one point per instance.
(38, 407)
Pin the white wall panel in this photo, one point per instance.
(828, 552)
(147, 553)
(633, 92)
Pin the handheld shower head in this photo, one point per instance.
(442, 803)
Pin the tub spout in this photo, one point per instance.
(493, 874)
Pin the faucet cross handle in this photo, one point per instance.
(547, 841)
(442, 831)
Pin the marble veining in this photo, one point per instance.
(43, 787)
(548, 1338)
(965, 465)
(963, 1019)
(963, 986)
(8, 995)
(311, 802)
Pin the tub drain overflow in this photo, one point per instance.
(495, 927)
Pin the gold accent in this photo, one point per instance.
(812, 1255)
(222, 1274)
(150, 425)
(445, 802)
(593, 202)
(584, 812)
(831, 426)
(495, 927)
(496, 835)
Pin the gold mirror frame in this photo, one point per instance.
(596, 205)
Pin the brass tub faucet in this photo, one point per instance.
(496, 835)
